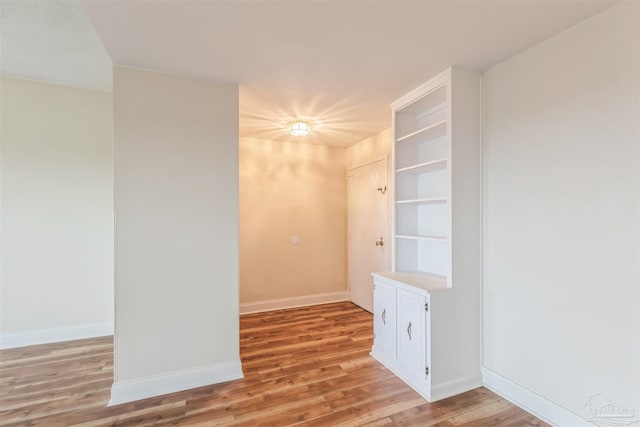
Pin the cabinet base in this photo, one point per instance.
(455, 387)
(431, 393)
(422, 387)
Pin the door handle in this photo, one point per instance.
(409, 331)
(380, 242)
(384, 313)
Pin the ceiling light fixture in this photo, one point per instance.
(299, 128)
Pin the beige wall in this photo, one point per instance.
(176, 236)
(291, 189)
(57, 212)
(561, 211)
(369, 150)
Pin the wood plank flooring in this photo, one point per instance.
(304, 367)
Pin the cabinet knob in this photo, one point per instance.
(384, 315)
(409, 330)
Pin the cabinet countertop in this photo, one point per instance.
(424, 281)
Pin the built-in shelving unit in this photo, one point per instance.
(427, 309)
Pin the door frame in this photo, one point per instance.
(384, 159)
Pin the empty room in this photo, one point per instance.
(319, 213)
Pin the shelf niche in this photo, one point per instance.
(436, 134)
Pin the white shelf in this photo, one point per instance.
(417, 237)
(419, 279)
(430, 201)
(431, 166)
(436, 130)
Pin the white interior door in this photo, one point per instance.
(368, 245)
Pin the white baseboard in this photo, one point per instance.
(282, 303)
(426, 389)
(531, 402)
(452, 388)
(157, 385)
(46, 336)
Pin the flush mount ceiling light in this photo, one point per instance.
(299, 128)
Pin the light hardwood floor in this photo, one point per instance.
(308, 366)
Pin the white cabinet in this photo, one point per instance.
(401, 342)
(412, 333)
(429, 344)
(384, 319)
(433, 290)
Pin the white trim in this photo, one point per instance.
(457, 386)
(432, 84)
(46, 336)
(292, 302)
(530, 401)
(369, 163)
(481, 225)
(157, 385)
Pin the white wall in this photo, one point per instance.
(176, 236)
(291, 189)
(561, 211)
(57, 213)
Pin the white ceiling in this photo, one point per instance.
(337, 63)
(52, 41)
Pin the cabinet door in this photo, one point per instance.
(384, 320)
(412, 333)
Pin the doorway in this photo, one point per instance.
(367, 218)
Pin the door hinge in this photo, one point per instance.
(426, 370)
(374, 286)
(426, 306)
